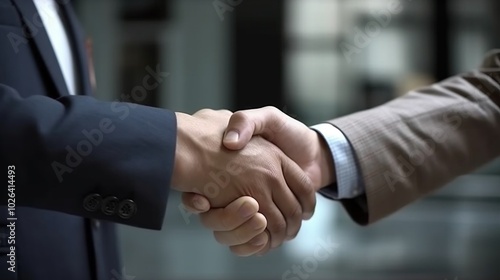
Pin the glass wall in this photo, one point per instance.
(339, 57)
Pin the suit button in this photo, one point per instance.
(91, 202)
(126, 209)
(109, 205)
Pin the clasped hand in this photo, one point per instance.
(252, 191)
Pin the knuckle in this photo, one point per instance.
(204, 111)
(272, 109)
(296, 213)
(270, 175)
(240, 116)
(277, 227)
(275, 185)
(225, 111)
(306, 186)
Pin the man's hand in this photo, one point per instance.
(295, 139)
(244, 234)
(203, 166)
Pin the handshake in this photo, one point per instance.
(252, 175)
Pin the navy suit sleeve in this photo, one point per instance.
(67, 149)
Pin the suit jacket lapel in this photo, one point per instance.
(37, 33)
(79, 47)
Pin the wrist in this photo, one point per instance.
(182, 155)
(324, 161)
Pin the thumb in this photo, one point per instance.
(266, 122)
(195, 203)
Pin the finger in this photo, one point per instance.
(244, 233)
(258, 245)
(290, 208)
(267, 122)
(267, 247)
(231, 216)
(276, 222)
(301, 186)
(195, 203)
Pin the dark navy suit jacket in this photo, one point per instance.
(77, 160)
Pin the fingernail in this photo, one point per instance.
(246, 210)
(232, 136)
(199, 204)
(307, 216)
(258, 224)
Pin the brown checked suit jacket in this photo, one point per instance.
(417, 143)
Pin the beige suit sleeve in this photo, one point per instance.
(417, 143)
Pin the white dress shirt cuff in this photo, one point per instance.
(349, 181)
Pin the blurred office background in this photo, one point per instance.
(306, 57)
